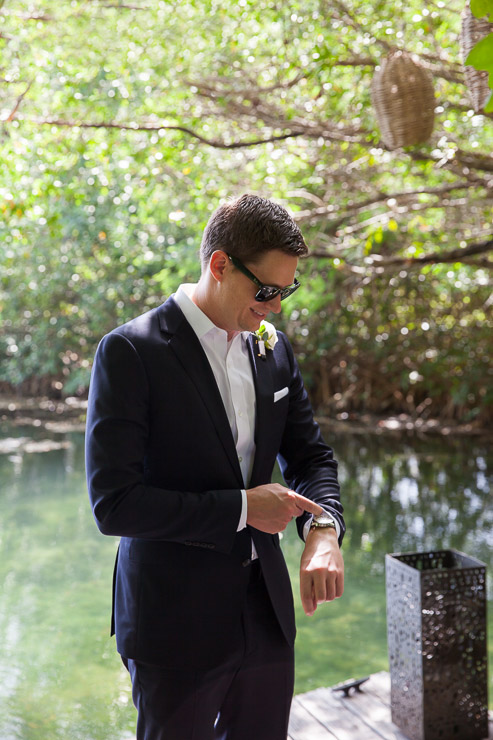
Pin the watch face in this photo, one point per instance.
(323, 519)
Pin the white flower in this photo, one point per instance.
(267, 334)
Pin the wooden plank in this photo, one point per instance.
(365, 714)
(379, 685)
(337, 716)
(377, 714)
(303, 724)
(358, 715)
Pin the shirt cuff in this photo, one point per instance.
(308, 524)
(243, 515)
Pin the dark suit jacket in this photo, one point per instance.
(163, 474)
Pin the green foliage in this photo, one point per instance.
(122, 126)
(400, 347)
(481, 56)
(482, 8)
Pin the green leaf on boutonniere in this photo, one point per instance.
(267, 334)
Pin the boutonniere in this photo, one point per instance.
(266, 336)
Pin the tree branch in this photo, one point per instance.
(222, 86)
(474, 161)
(123, 7)
(351, 20)
(24, 17)
(159, 127)
(18, 102)
(294, 128)
(260, 110)
(354, 62)
(351, 211)
(448, 105)
(454, 73)
(469, 159)
(461, 254)
(455, 255)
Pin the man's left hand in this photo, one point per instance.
(321, 570)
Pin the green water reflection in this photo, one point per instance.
(60, 678)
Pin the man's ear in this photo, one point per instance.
(219, 264)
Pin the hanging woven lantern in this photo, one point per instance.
(472, 31)
(404, 101)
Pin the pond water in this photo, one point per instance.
(60, 677)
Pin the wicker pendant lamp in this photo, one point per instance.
(472, 31)
(404, 101)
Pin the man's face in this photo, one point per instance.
(239, 309)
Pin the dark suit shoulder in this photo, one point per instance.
(283, 342)
(283, 351)
(137, 326)
(165, 318)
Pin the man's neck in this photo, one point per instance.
(202, 301)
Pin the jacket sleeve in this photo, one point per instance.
(306, 461)
(117, 438)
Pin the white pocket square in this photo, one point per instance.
(280, 394)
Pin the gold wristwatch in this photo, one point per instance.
(324, 521)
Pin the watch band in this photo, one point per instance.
(324, 521)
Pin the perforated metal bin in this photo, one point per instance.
(436, 631)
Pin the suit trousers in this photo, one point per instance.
(247, 698)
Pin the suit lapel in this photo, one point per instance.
(264, 391)
(187, 348)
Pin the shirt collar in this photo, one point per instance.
(200, 323)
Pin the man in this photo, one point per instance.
(188, 411)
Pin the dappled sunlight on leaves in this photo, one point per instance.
(125, 125)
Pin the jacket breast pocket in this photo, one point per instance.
(280, 394)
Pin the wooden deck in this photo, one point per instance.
(323, 714)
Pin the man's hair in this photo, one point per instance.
(249, 226)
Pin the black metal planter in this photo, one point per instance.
(436, 630)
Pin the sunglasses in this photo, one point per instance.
(265, 292)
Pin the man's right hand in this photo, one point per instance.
(272, 506)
